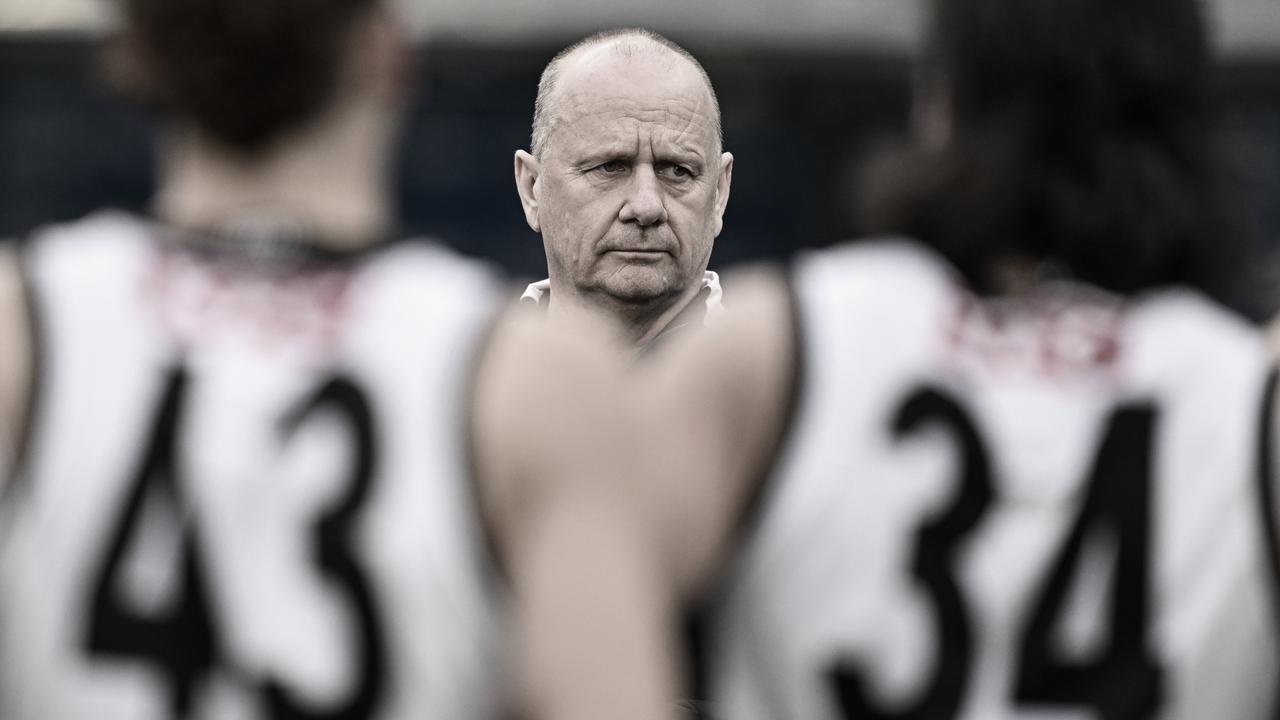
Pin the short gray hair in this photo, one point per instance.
(542, 106)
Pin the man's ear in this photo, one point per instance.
(527, 171)
(722, 190)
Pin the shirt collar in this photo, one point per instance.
(539, 293)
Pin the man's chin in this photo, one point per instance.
(639, 286)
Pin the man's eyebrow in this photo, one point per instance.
(607, 151)
(682, 154)
(687, 153)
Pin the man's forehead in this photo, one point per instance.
(620, 112)
(655, 68)
(612, 94)
(614, 125)
(626, 49)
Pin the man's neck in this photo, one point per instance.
(637, 324)
(330, 178)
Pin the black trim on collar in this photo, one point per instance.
(278, 248)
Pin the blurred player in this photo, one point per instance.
(1023, 473)
(237, 430)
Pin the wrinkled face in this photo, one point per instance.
(632, 186)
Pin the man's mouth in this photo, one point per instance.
(638, 255)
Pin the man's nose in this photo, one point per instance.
(645, 204)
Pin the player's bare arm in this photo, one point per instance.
(656, 511)
(552, 445)
(1272, 333)
(15, 360)
(714, 408)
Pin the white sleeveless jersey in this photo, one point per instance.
(245, 493)
(1038, 509)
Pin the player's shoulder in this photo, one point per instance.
(742, 366)
(544, 395)
(887, 287)
(430, 271)
(1184, 327)
(875, 264)
(99, 227)
(759, 317)
(418, 253)
(92, 245)
(1192, 310)
(879, 279)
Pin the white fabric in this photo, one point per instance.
(540, 291)
(829, 576)
(120, 309)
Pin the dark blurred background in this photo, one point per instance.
(798, 113)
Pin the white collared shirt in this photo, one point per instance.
(539, 292)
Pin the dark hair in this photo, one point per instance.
(1083, 133)
(243, 71)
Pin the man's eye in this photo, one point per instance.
(611, 167)
(677, 172)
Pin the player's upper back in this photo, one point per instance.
(1046, 506)
(244, 492)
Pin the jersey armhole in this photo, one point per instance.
(762, 486)
(696, 621)
(493, 567)
(20, 459)
(762, 490)
(1267, 475)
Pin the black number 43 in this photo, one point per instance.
(1124, 681)
(183, 642)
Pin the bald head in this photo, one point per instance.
(627, 181)
(627, 45)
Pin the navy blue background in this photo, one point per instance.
(795, 121)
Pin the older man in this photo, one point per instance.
(627, 183)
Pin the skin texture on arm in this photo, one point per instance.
(1272, 332)
(612, 490)
(551, 441)
(714, 408)
(15, 360)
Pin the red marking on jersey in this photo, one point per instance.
(1058, 334)
(200, 299)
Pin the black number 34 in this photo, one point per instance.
(1123, 682)
(183, 641)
